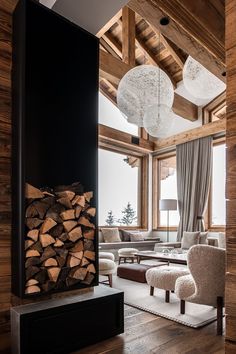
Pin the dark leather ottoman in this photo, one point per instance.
(135, 272)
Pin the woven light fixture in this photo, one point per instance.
(158, 120)
(200, 82)
(143, 87)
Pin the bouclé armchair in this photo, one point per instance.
(206, 283)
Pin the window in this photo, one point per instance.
(218, 203)
(164, 187)
(119, 181)
(110, 116)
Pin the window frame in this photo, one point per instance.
(210, 227)
(117, 146)
(156, 191)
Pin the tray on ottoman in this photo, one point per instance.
(135, 272)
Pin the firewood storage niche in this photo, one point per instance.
(54, 169)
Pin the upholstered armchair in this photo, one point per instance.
(206, 283)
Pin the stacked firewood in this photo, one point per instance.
(59, 242)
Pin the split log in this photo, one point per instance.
(54, 216)
(63, 237)
(71, 281)
(57, 230)
(78, 210)
(61, 261)
(46, 240)
(33, 223)
(88, 245)
(33, 234)
(64, 274)
(78, 255)
(66, 194)
(48, 286)
(31, 282)
(53, 273)
(32, 289)
(69, 225)
(65, 201)
(31, 271)
(68, 214)
(76, 187)
(91, 211)
(58, 243)
(55, 211)
(89, 234)
(31, 211)
(69, 244)
(50, 201)
(79, 246)
(47, 225)
(47, 190)
(37, 246)
(89, 255)
(91, 268)
(32, 253)
(32, 261)
(88, 279)
(28, 243)
(78, 273)
(41, 208)
(79, 199)
(75, 234)
(41, 276)
(47, 253)
(32, 192)
(85, 222)
(84, 262)
(48, 194)
(50, 262)
(88, 196)
(73, 261)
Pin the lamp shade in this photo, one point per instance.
(168, 204)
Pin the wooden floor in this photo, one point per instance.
(146, 333)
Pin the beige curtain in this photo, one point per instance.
(194, 164)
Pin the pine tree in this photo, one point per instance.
(128, 215)
(110, 220)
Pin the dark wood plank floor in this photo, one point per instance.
(146, 333)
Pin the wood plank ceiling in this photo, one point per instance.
(136, 36)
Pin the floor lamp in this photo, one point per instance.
(167, 204)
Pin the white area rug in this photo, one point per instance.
(137, 295)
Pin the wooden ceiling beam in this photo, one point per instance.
(168, 45)
(128, 36)
(178, 34)
(113, 44)
(109, 24)
(106, 93)
(113, 70)
(105, 45)
(152, 58)
(196, 133)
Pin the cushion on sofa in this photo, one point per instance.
(190, 239)
(203, 238)
(139, 236)
(111, 235)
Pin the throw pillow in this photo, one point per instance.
(136, 237)
(203, 238)
(125, 235)
(189, 239)
(111, 235)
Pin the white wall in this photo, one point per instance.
(91, 15)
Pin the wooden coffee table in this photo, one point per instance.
(178, 258)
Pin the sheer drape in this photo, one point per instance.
(194, 165)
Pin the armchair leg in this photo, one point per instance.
(167, 296)
(182, 307)
(110, 280)
(151, 290)
(219, 315)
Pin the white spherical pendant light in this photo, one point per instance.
(200, 82)
(158, 120)
(142, 87)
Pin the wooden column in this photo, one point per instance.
(128, 36)
(230, 346)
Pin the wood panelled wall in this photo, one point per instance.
(231, 176)
(6, 9)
